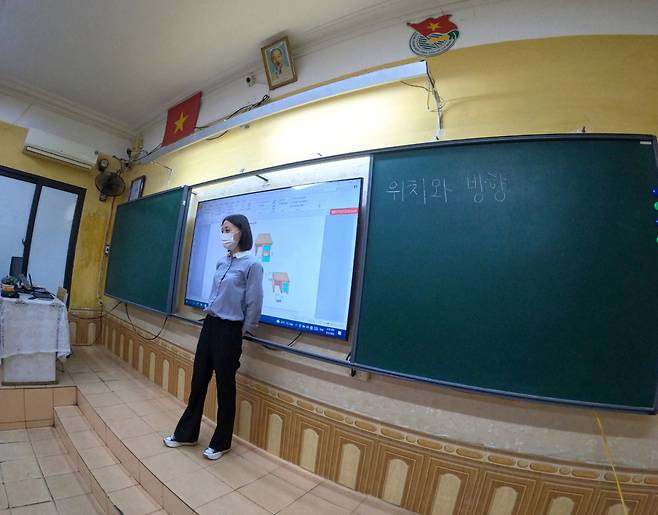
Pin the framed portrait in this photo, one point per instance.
(277, 60)
(136, 188)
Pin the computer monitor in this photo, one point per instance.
(16, 266)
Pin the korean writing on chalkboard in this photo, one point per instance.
(411, 190)
(481, 186)
(491, 182)
(441, 190)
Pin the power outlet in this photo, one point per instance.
(106, 250)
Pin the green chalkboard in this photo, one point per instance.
(521, 266)
(144, 251)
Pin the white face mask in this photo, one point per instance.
(228, 240)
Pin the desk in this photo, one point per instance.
(32, 333)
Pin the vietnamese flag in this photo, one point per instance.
(440, 25)
(181, 119)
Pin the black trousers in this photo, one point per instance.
(218, 350)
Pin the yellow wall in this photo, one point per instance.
(605, 83)
(390, 115)
(95, 214)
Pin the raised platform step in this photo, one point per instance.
(116, 432)
(100, 471)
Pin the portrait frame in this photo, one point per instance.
(281, 70)
(136, 188)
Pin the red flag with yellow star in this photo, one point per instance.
(440, 25)
(181, 119)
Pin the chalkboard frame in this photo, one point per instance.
(349, 362)
(653, 410)
(178, 244)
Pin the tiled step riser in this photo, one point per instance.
(86, 473)
(26, 408)
(88, 479)
(151, 484)
(123, 454)
(154, 486)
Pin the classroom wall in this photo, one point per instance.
(95, 214)
(602, 84)
(31, 107)
(605, 83)
(379, 35)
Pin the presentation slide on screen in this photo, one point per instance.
(305, 238)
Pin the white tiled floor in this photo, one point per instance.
(138, 414)
(37, 478)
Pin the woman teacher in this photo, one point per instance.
(233, 309)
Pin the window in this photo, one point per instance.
(39, 220)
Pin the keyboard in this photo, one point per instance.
(41, 295)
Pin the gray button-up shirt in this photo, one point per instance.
(237, 289)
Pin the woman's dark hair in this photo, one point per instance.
(241, 222)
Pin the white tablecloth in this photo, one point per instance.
(31, 326)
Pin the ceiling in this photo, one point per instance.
(129, 60)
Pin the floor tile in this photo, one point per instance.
(129, 428)
(170, 464)
(113, 478)
(298, 477)
(232, 504)
(85, 440)
(272, 493)
(81, 505)
(118, 412)
(28, 491)
(98, 457)
(55, 465)
(15, 451)
(68, 411)
(309, 503)
(14, 436)
(236, 471)
(104, 399)
(49, 447)
(65, 485)
(338, 495)
(93, 388)
(73, 424)
(198, 488)
(265, 463)
(145, 446)
(46, 508)
(134, 501)
(41, 433)
(18, 470)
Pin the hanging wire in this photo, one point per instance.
(295, 339)
(245, 108)
(440, 102)
(137, 330)
(608, 454)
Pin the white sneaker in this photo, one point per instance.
(212, 454)
(170, 441)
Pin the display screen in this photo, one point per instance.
(305, 238)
